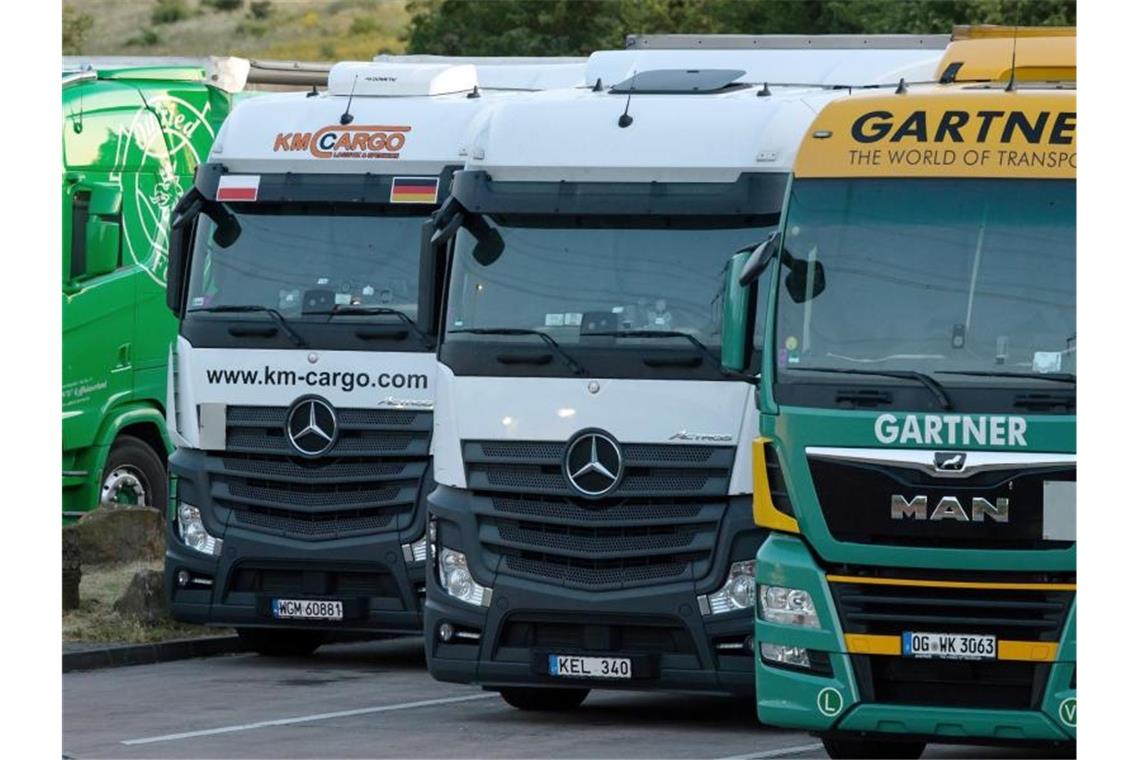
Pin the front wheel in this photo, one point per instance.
(134, 475)
(543, 700)
(856, 749)
(277, 642)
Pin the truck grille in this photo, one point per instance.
(660, 524)
(1019, 615)
(855, 499)
(982, 684)
(368, 483)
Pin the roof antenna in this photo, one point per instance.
(625, 119)
(597, 85)
(474, 92)
(1013, 57)
(901, 89)
(764, 92)
(346, 117)
(312, 93)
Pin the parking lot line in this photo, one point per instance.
(780, 752)
(307, 718)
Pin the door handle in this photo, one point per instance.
(124, 355)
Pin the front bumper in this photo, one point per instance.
(832, 703)
(380, 590)
(659, 627)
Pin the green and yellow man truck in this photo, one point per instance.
(916, 462)
(132, 137)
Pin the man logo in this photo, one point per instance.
(593, 464)
(949, 508)
(949, 461)
(311, 426)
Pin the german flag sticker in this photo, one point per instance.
(414, 190)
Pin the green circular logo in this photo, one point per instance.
(829, 701)
(1068, 712)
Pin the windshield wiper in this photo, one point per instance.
(245, 308)
(1057, 377)
(387, 311)
(926, 380)
(701, 347)
(569, 360)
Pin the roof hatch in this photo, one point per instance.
(679, 81)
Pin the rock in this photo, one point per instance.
(144, 599)
(71, 567)
(121, 534)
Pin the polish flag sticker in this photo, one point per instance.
(238, 187)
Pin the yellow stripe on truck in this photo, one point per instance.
(1028, 651)
(947, 131)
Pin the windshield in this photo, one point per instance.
(581, 279)
(312, 258)
(941, 276)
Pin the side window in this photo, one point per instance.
(80, 203)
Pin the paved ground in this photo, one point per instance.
(375, 699)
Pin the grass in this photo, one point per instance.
(307, 30)
(96, 620)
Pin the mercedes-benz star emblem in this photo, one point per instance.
(593, 463)
(311, 426)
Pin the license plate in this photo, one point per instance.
(949, 646)
(571, 666)
(307, 609)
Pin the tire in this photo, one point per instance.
(856, 749)
(276, 642)
(133, 476)
(543, 700)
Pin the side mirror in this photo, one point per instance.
(432, 246)
(736, 315)
(761, 257)
(489, 243)
(178, 251)
(804, 280)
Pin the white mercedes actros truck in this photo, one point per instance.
(591, 524)
(302, 380)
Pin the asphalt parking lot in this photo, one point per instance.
(375, 699)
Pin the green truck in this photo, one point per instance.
(132, 137)
(916, 464)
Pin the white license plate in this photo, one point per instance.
(570, 666)
(949, 646)
(307, 609)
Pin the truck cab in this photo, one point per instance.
(302, 381)
(591, 522)
(916, 465)
(132, 138)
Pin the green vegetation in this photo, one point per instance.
(169, 11)
(76, 25)
(310, 30)
(577, 27)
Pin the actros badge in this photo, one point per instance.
(311, 426)
(593, 464)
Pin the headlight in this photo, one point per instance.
(193, 532)
(737, 593)
(416, 551)
(457, 581)
(784, 655)
(788, 606)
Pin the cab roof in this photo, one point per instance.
(986, 54)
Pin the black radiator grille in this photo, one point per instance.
(659, 525)
(975, 684)
(368, 483)
(1011, 614)
(554, 632)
